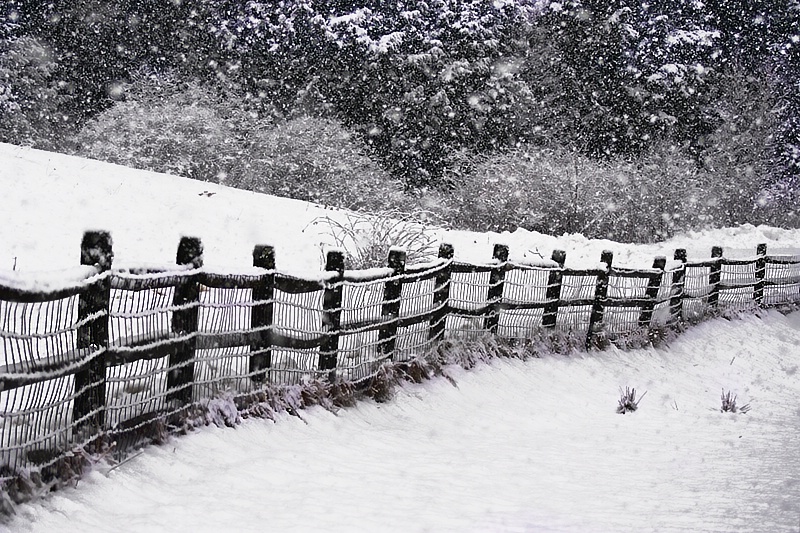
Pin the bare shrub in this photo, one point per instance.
(317, 160)
(556, 191)
(367, 238)
(165, 126)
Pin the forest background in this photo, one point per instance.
(617, 119)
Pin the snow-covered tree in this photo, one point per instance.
(419, 80)
(29, 97)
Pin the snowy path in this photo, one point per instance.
(532, 446)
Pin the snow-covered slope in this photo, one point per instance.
(516, 447)
(48, 200)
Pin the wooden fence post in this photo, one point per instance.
(390, 311)
(332, 311)
(600, 294)
(88, 413)
(676, 291)
(262, 313)
(714, 277)
(553, 294)
(651, 293)
(441, 295)
(184, 324)
(761, 269)
(494, 295)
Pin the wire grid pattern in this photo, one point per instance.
(468, 291)
(36, 424)
(140, 319)
(625, 320)
(296, 316)
(741, 278)
(40, 339)
(37, 420)
(416, 301)
(225, 368)
(785, 279)
(31, 332)
(573, 318)
(360, 352)
(523, 286)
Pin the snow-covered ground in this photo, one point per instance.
(516, 446)
(534, 446)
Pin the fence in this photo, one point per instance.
(113, 352)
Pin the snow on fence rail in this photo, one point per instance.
(124, 353)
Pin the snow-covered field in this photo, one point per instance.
(533, 446)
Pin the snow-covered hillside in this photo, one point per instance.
(534, 446)
(50, 199)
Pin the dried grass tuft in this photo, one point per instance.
(628, 402)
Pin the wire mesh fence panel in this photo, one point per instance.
(361, 313)
(742, 279)
(361, 302)
(136, 400)
(783, 293)
(578, 287)
(523, 286)
(299, 317)
(137, 316)
(696, 283)
(465, 326)
(573, 319)
(38, 332)
(526, 285)
(416, 304)
(621, 321)
(468, 292)
(226, 367)
(412, 341)
(291, 365)
(37, 425)
(627, 287)
(222, 370)
(696, 290)
(783, 280)
(739, 298)
(359, 355)
(519, 323)
(416, 297)
(135, 389)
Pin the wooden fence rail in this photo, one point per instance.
(144, 342)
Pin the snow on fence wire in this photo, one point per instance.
(123, 354)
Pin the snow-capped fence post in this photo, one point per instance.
(553, 293)
(92, 337)
(497, 278)
(184, 323)
(441, 294)
(714, 278)
(390, 311)
(651, 293)
(262, 314)
(332, 310)
(598, 307)
(676, 291)
(761, 269)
